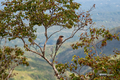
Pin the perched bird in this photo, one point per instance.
(59, 41)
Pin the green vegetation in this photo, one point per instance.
(37, 69)
(97, 63)
(34, 23)
(10, 58)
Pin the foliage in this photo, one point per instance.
(37, 12)
(9, 59)
(46, 13)
(62, 13)
(99, 63)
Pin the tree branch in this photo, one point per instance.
(10, 72)
(56, 72)
(45, 41)
(73, 33)
(36, 44)
(53, 10)
(30, 49)
(55, 32)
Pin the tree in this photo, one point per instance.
(9, 59)
(101, 66)
(47, 13)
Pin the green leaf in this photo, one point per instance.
(95, 71)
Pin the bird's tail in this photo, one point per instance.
(56, 48)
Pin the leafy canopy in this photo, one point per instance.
(45, 13)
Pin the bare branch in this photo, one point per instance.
(95, 49)
(92, 8)
(53, 66)
(73, 33)
(56, 72)
(80, 69)
(10, 72)
(55, 32)
(45, 41)
(95, 45)
(29, 49)
(5, 42)
(36, 44)
(51, 54)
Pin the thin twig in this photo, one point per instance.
(80, 69)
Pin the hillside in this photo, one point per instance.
(38, 69)
(66, 55)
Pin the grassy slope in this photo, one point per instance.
(38, 70)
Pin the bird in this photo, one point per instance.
(59, 41)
